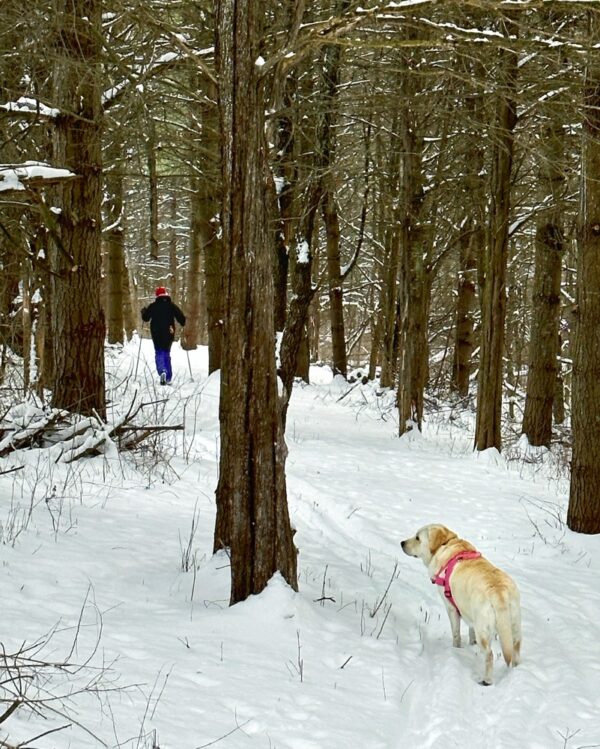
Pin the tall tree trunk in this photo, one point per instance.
(549, 245)
(46, 350)
(283, 201)
(78, 326)
(415, 276)
(10, 335)
(339, 363)
(310, 347)
(303, 291)
(331, 76)
(26, 317)
(583, 514)
(390, 312)
(489, 392)
(213, 281)
(283, 133)
(472, 238)
(413, 347)
(465, 305)
(419, 345)
(115, 250)
(173, 259)
(191, 334)
(389, 230)
(205, 292)
(252, 512)
(130, 319)
(38, 285)
(558, 404)
(375, 345)
(544, 366)
(152, 187)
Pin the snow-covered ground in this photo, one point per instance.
(106, 564)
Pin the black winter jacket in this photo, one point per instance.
(162, 314)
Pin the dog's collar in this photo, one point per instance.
(443, 576)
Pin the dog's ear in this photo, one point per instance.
(438, 536)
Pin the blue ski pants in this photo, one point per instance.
(162, 358)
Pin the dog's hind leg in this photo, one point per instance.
(488, 655)
(472, 638)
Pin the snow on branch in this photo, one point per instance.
(28, 107)
(70, 436)
(19, 177)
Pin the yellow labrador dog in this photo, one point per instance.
(472, 588)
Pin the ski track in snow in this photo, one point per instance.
(291, 671)
(509, 714)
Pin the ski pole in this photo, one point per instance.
(137, 363)
(189, 365)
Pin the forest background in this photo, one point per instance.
(407, 192)
(411, 188)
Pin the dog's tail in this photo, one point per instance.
(504, 628)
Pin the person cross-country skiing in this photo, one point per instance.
(161, 314)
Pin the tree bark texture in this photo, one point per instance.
(334, 279)
(472, 238)
(192, 331)
(489, 394)
(549, 245)
(285, 168)
(544, 373)
(331, 74)
(78, 326)
(130, 309)
(205, 273)
(152, 188)
(27, 328)
(465, 306)
(252, 512)
(11, 335)
(205, 291)
(583, 514)
(173, 259)
(414, 278)
(303, 291)
(390, 228)
(115, 257)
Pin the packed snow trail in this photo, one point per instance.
(361, 656)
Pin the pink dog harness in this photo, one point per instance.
(443, 576)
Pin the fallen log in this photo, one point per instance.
(72, 437)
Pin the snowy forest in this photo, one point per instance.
(394, 207)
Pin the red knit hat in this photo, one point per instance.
(161, 291)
